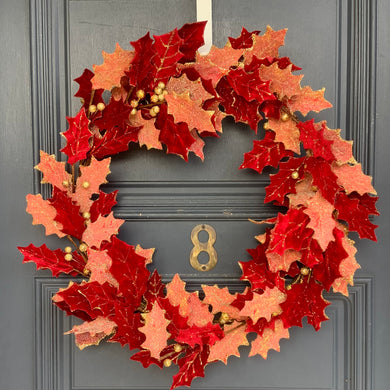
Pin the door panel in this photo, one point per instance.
(162, 198)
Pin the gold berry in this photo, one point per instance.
(83, 247)
(65, 183)
(289, 287)
(86, 215)
(101, 106)
(140, 94)
(156, 109)
(178, 348)
(284, 117)
(85, 184)
(92, 108)
(161, 97)
(305, 271)
(68, 257)
(68, 249)
(134, 103)
(224, 317)
(157, 90)
(266, 126)
(165, 92)
(161, 85)
(133, 111)
(295, 175)
(154, 98)
(167, 363)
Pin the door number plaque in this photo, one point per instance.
(200, 247)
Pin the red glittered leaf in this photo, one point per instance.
(314, 139)
(103, 205)
(192, 36)
(245, 40)
(92, 332)
(328, 270)
(196, 335)
(109, 74)
(266, 152)
(283, 182)
(85, 90)
(77, 137)
(146, 359)
(129, 269)
(45, 258)
(154, 290)
(355, 210)
(101, 230)
(304, 300)
(115, 114)
(191, 366)
(68, 214)
(176, 136)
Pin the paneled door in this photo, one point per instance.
(340, 44)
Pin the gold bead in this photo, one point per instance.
(165, 92)
(92, 108)
(167, 363)
(157, 90)
(154, 98)
(133, 111)
(266, 126)
(289, 287)
(161, 85)
(134, 103)
(295, 175)
(284, 117)
(86, 215)
(68, 249)
(85, 184)
(178, 348)
(305, 271)
(140, 94)
(65, 183)
(86, 271)
(68, 257)
(101, 106)
(155, 109)
(224, 317)
(83, 247)
(275, 314)
(161, 97)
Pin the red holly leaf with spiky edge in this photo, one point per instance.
(192, 365)
(196, 335)
(304, 300)
(109, 74)
(115, 114)
(245, 40)
(45, 258)
(192, 36)
(154, 290)
(283, 182)
(103, 205)
(85, 90)
(146, 359)
(329, 269)
(314, 139)
(129, 269)
(68, 214)
(355, 210)
(77, 137)
(176, 136)
(266, 152)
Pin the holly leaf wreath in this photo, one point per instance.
(165, 95)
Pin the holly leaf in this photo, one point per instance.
(101, 230)
(264, 305)
(198, 312)
(99, 264)
(355, 210)
(352, 178)
(195, 89)
(155, 330)
(103, 205)
(314, 139)
(87, 94)
(266, 152)
(320, 212)
(287, 133)
(304, 192)
(266, 45)
(269, 340)
(154, 290)
(53, 171)
(176, 136)
(91, 177)
(277, 262)
(114, 115)
(304, 300)
(245, 40)
(92, 332)
(307, 100)
(148, 134)
(235, 336)
(77, 137)
(191, 366)
(220, 299)
(192, 36)
(109, 74)
(146, 253)
(146, 359)
(200, 335)
(197, 146)
(45, 258)
(183, 109)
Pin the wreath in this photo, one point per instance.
(165, 95)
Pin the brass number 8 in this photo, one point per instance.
(203, 247)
